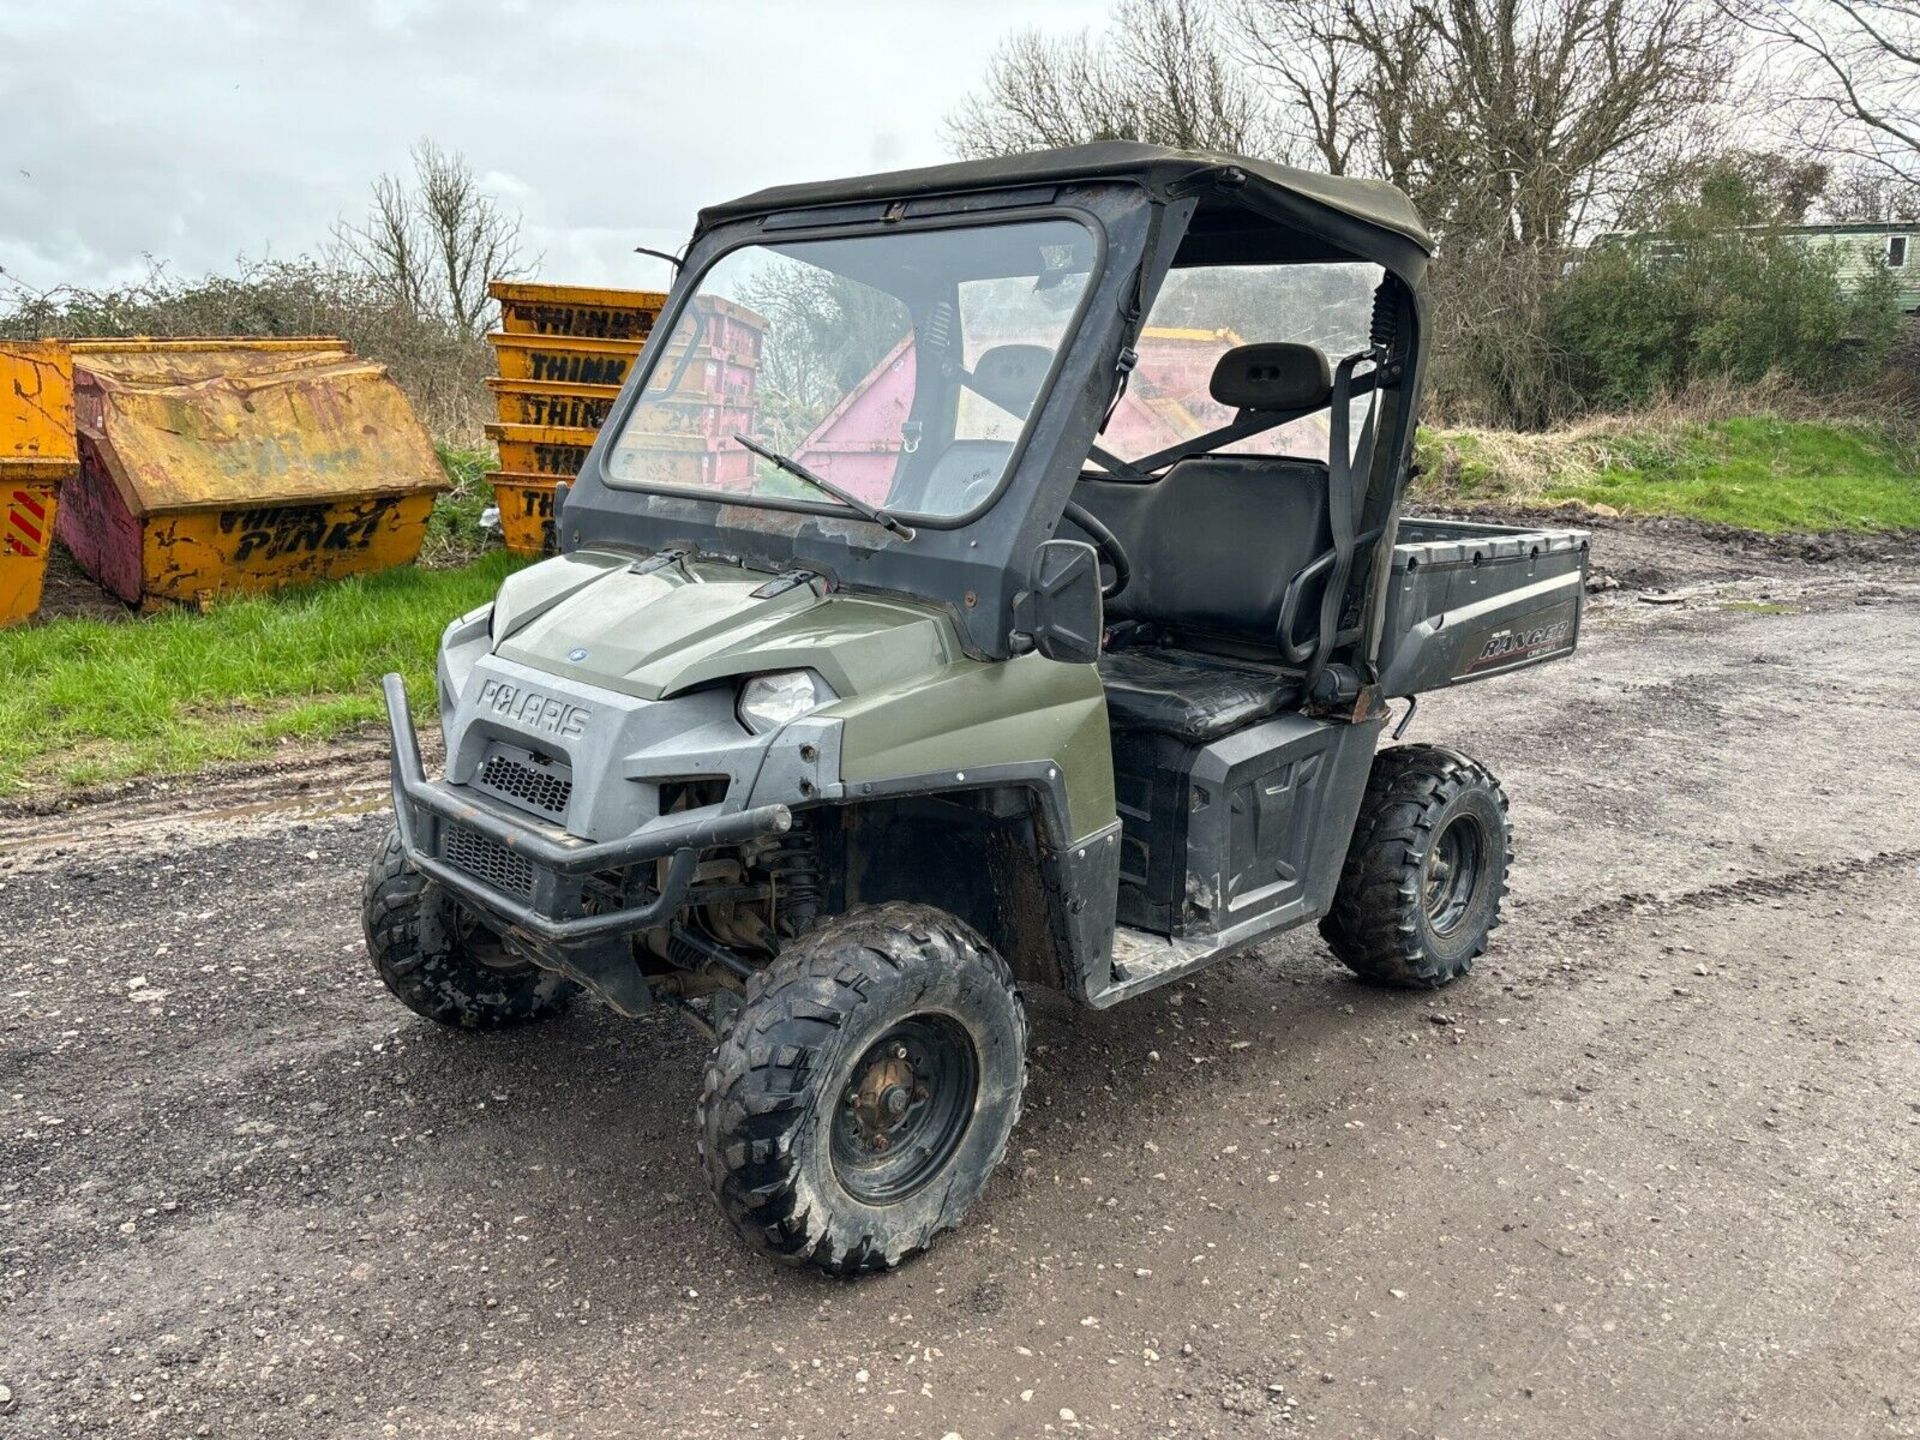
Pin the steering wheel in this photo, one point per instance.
(1107, 543)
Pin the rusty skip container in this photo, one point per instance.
(550, 450)
(564, 351)
(562, 359)
(532, 402)
(526, 511)
(581, 310)
(37, 456)
(215, 467)
(525, 497)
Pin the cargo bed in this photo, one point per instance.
(1467, 600)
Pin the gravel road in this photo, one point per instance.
(1654, 1170)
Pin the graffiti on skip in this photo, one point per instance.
(270, 531)
(580, 369)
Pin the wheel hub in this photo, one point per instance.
(903, 1111)
(882, 1098)
(1454, 866)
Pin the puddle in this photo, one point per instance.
(217, 808)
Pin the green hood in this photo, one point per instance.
(591, 617)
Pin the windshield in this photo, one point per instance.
(1204, 311)
(901, 367)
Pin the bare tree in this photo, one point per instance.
(1516, 120)
(431, 244)
(1161, 73)
(1336, 87)
(1855, 65)
(1519, 127)
(1871, 194)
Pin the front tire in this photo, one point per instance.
(439, 961)
(863, 1094)
(1426, 871)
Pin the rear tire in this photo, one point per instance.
(863, 1094)
(1427, 869)
(442, 963)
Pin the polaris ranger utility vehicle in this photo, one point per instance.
(990, 576)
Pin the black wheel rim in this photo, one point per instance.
(1454, 866)
(904, 1109)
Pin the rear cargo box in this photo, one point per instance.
(37, 456)
(222, 466)
(1468, 601)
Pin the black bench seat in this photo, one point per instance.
(1189, 695)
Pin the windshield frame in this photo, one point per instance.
(687, 287)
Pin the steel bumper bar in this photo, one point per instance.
(551, 860)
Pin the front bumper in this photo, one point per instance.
(552, 911)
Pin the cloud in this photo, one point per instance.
(200, 130)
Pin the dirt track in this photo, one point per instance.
(1653, 1171)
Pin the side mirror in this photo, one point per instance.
(1060, 611)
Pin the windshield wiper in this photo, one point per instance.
(852, 502)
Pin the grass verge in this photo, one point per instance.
(88, 701)
(454, 536)
(1753, 472)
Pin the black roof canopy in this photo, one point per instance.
(1366, 217)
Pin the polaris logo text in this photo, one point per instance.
(532, 710)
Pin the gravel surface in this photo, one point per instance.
(1653, 1170)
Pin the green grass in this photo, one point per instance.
(454, 536)
(1754, 473)
(1759, 607)
(88, 701)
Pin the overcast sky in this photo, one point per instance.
(200, 130)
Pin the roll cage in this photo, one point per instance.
(1152, 209)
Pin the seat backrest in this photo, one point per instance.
(964, 467)
(1215, 542)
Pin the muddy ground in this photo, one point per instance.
(1654, 1170)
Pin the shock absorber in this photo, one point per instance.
(1386, 316)
(798, 877)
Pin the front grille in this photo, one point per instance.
(487, 859)
(544, 788)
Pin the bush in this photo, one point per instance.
(1493, 357)
(454, 535)
(442, 370)
(1641, 317)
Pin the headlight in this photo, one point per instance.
(769, 701)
